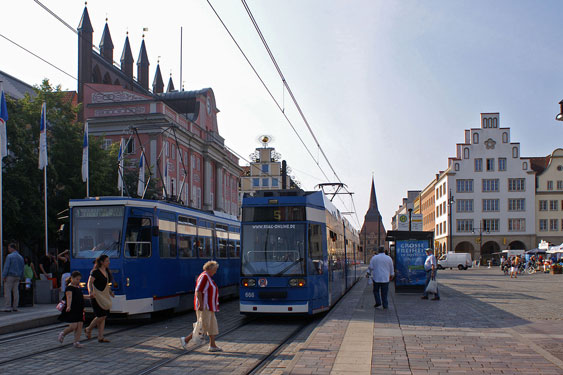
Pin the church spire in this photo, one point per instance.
(373, 197)
(106, 45)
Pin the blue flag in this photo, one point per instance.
(85, 154)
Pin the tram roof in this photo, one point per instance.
(147, 203)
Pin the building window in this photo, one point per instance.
(166, 149)
(437, 229)
(441, 227)
(516, 184)
(559, 185)
(265, 168)
(495, 123)
(502, 164)
(466, 153)
(275, 182)
(553, 205)
(456, 167)
(478, 165)
(514, 152)
(549, 185)
(464, 186)
(173, 152)
(130, 146)
(543, 205)
(106, 144)
(553, 224)
(505, 137)
(491, 225)
(517, 204)
(490, 185)
(464, 225)
(484, 123)
(475, 138)
(525, 165)
(543, 225)
(464, 205)
(255, 182)
(516, 225)
(490, 205)
(490, 165)
(265, 182)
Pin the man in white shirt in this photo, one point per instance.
(382, 272)
(430, 266)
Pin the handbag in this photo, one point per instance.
(61, 306)
(432, 287)
(198, 335)
(103, 298)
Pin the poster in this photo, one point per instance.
(409, 262)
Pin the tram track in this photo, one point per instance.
(18, 336)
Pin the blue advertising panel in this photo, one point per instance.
(409, 262)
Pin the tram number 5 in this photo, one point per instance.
(249, 294)
(277, 215)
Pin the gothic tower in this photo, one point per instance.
(373, 232)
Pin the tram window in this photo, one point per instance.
(186, 246)
(204, 247)
(315, 263)
(237, 249)
(231, 249)
(222, 250)
(138, 238)
(167, 244)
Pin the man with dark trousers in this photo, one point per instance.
(382, 272)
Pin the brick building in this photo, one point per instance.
(176, 130)
(373, 232)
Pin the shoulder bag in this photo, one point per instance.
(103, 298)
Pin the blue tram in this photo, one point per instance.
(299, 255)
(156, 249)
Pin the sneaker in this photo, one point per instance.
(15, 310)
(78, 345)
(436, 299)
(214, 349)
(424, 297)
(377, 305)
(61, 337)
(183, 342)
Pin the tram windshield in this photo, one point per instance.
(96, 231)
(273, 250)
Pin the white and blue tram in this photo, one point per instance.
(299, 255)
(156, 249)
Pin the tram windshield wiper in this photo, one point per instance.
(288, 267)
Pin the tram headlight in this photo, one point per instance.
(248, 283)
(297, 283)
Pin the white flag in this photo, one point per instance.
(43, 138)
(85, 154)
(141, 182)
(120, 168)
(3, 121)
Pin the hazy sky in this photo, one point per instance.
(387, 86)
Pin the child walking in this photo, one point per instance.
(74, 311)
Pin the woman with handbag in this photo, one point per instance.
(206, 303)
(72, 307)
(100, 294)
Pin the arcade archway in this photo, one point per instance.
(487, 251)
(465, 247)
(517, 245)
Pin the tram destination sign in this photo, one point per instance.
(104, 211)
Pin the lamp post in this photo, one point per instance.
(481, 229)
(450, 203)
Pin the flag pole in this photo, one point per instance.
(4, 140)
(45, 198)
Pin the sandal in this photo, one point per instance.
(78, 345)
(88, 333)
(103, 339)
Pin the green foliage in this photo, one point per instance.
(23, 187)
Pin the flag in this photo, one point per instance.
(141, 183)
(85, 154)
(3, 121)
(120, 168)
(43, 138)
(165, 185)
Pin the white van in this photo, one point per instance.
(450, 260)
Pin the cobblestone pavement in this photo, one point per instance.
(485, 323)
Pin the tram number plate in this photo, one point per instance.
(249, 294)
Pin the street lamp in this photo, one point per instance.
(559, 116)
(481, 229)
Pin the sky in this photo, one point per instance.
(388, 87)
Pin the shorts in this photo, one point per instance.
(209, 322)
(512, 269)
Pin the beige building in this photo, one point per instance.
(264, 172)
(427, 206)
(549, 199)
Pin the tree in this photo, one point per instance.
(23, 180)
